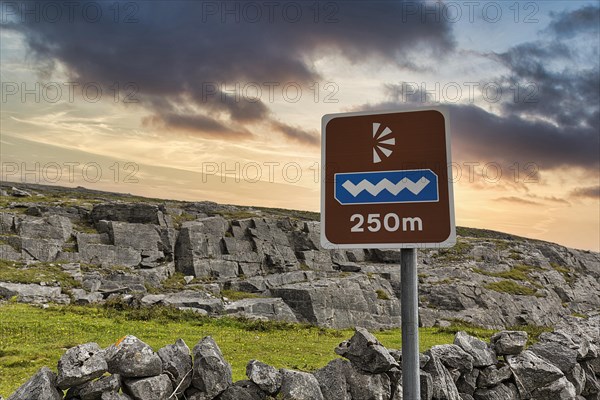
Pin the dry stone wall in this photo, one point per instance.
(563, 365)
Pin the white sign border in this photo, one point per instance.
(449, 242)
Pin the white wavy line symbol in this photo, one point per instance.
(385, 184)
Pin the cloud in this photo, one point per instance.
(297, 134)
(197, 124)
(566, 96)
(178, 52)
(551, 199)
(591, 192)
(569, 24)
(481, 135)
(518, 200)
(556, 128)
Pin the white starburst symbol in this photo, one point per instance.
(382, 144)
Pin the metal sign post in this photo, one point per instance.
(386, 184)
(411, 388)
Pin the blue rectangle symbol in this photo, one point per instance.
(406, 186)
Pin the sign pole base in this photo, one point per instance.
(410, 325)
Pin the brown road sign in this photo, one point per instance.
(386, 180)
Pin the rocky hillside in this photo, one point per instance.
(76, 245)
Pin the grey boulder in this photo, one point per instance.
(483, 356)
(114, 396)
(132, 358)
(340, 380)
(492, 376)
(536, 378)
(499, 392)
(266, 377)
(243, 390)
(453, 357)
(211, 373)
(444, 387)
(41, 386)
(153, 388)
(80, 364)
(177, 364)
(509, 342)
(366, 353)
(93, 390)
(299, 386)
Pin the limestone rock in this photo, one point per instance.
(93, 390)
(509, 342)
(16, 192)
(139, 213)
(243, 390)
(266, 377)
(499, 392)
(153, 388)
(32, 293)
(483, 355)
(362, 385)
(273, 309)
(41, 386)
(297, 385)
(114, 396)
(81, 364)
(366, 353)
(343, 302)
(492, 376)
(212, 374)
(453, 357)
(132, 358)
(557, 354)
(340, 380)
(177, 364)
(332, 380)
(537, 378)
(444, 387)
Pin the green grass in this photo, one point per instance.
(519, 272)
(382, 294)
(31, 337)
(568, 275)
(511, 287)
(458, 252)
(178, 220)
(16, 272)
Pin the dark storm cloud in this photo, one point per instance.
(568, 24)
(591, 192)
(177, 50)
(568, 96)
(481, 135)
(557, 127)
(511, 138)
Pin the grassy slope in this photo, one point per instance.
(31, 337)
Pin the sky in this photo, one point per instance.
(222, 100)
